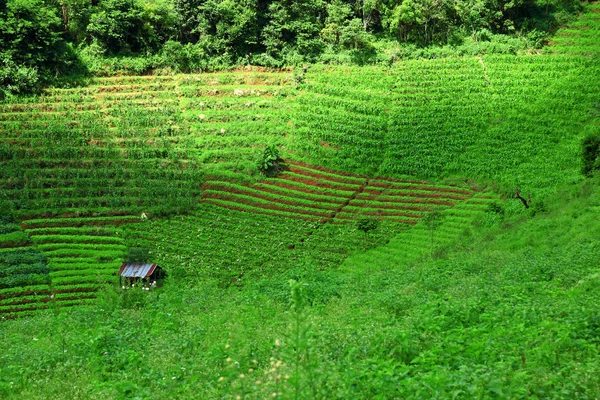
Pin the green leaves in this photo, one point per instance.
(268, 164)
(590, 153)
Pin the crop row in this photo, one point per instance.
(300, 193)
(79, 256)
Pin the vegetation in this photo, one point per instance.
(461, 292)
(591, 154)
(43, 40)
(366, 225)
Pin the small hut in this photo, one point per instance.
(146, 274)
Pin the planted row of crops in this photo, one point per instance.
(305, 192)
(77, 164)
(580, 37)
(61, 262)
(423, 239)
(486, 117)
(24, 272)
(233, 247)
(101, 155)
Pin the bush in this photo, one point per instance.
(591, 154)
(16, 79)
(269, 162)
(138, 255)
(183, 58)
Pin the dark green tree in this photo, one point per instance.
(31, 45)
(367, 225)
(293, 29)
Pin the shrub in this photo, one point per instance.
(591, 154)
(366, 225)
(269, 162)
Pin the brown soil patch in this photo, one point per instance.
(409, 201)
(328, 170)
(275, 192)
(24, 293)
(312, 182)
(301, 189)
(317, 175)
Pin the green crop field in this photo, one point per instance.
(272, 289)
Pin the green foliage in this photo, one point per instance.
(269, 162)
(22, 267)
(511, 312)
(367, 225)
(138, 255)
(590, 154)
(127, 26)
(31, 47)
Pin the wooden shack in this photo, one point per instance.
(145, 274)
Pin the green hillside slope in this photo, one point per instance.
(272, 290)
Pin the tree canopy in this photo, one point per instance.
(184, 35)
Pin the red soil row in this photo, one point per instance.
(327, 170)
(269, 198)
(340, 179)
(419, 187)
(390, 214)
(344, 220)
(312, 182)
(45, 292)
(77, 224)
(76, 214)
(291, 186)
(275, 192)
(15, 310)
(359, 203)
(51, 107)
(13, 245)
(45, 300)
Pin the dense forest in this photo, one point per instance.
(41, 40)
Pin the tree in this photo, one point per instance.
(293, 28)
(31, 45)
(366, 225)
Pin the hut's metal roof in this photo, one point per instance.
(137, 270)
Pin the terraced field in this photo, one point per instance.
(318, 194)
(62, 262)
(511, 120)
(80, 165)
(24, 278)
(580, 37)
(77, 163)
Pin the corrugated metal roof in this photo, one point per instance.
(137, 270)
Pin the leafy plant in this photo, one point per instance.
(367, 225)
(433, 220)
(269, 163)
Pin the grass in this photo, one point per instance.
(497, 315)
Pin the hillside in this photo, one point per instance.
(272, 290)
